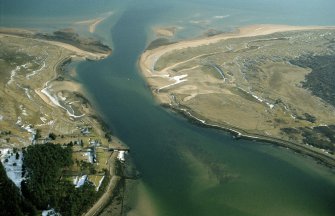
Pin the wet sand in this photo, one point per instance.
(93, 23)
(144, 205)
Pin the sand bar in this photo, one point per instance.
(93, 23)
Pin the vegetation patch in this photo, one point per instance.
(70, 37)
(159, 42)
(11, 202)
(320, 136)
(279, 85)
(44, 185)
(321, 81)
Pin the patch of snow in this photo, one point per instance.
(13, 74)
(26, 91)
(19, 120)
(81, 181)
(121, 156)
(74, 102)
(31, 130)
(35, 71)
(90, 156)
(50, 212)
(55, 101)
(292, 116)
(1, 117)
(261, 100)
(25, 66)
(100, 182)
(228, 47)
(45, 124)
(23, 110)
(323, 125)
(200, 120)
(286, 108)
(43, 119)
(75, 180)
(177, 79)
(324, 151)
(161, 75)
(258, 98)
(62, 98)
(13, 166)
(27, 127)
(270, 105)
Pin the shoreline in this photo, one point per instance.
(50, 98)
(93, 23)
(23, 33)
(114, 179)
(149, 58)
(78, 52)
(238, 133)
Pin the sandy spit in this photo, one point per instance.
(149, 57)
(75, 50)
(93, 23)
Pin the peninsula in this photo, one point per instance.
(43, 106)
(264, 82)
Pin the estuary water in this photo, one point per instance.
(188, 170)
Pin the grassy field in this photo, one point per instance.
(40, 105)
(262, 85)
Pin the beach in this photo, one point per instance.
(186, 163)
(161, 79)
(93, 23)
(54, 102)
(149, 57)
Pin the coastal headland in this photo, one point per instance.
(41, 103)
(255, 82)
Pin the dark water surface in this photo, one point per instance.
(191, 170)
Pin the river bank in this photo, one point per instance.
(54, 105)
(149, 58)
(238, 133)
(92, 50)
(158, 79)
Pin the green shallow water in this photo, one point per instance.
(189, 170)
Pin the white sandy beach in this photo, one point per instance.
(150, 57)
